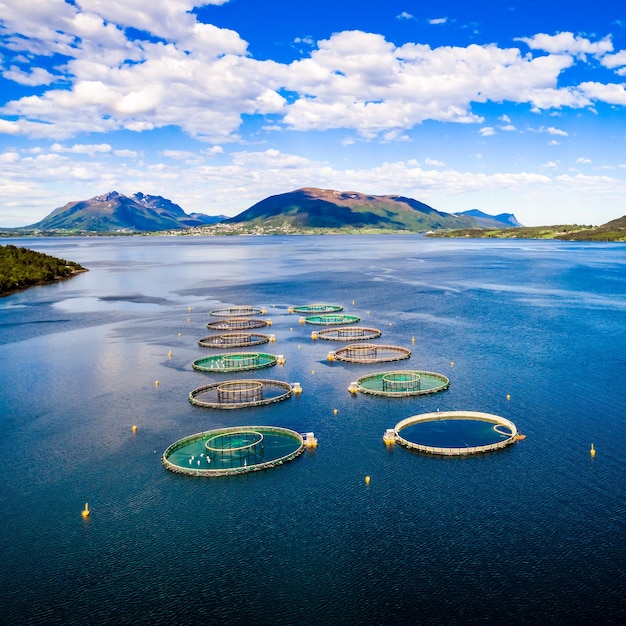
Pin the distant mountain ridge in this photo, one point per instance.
(304, 209)
(115, 212)
(506, 219)
(311, 207)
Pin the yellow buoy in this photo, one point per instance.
(367, 480)
(312, 371)
(180, 334)
(508, 396)
(156, 383)
(189, 308)
(169, 354)
(335, 411)
(352, 302)
(85, 511)
(134, 429)
(412, 339)
(188, 319)
(592, 451)
(451, 363)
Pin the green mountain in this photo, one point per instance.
(115, 213)
(312, 208)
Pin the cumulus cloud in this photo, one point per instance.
(567, 43)
(438, 20)
(141, 65)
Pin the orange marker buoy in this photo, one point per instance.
(85, 511)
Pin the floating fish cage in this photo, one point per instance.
(331, 319)
(241, 323)
(235, 362)
(309, 309)
(237, 394)
(371, 353)
(233, 340)
(237, 311)
(455, 433)
(231, 451)
(352, 333)
(399, 383)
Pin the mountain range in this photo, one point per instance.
(302, 209)
(115, 212)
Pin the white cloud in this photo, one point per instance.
(582, 160)
(89, 149)
(405, 16)
(567, 43)
(611, 93)
(556, 131)
(202, 79)
(614, 60)
(438, 20)
(487, 131)
(434, 162)
(37, 76)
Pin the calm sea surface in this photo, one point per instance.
(533, 534)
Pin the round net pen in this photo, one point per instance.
(237, 311)
(232, 451)
(453, 431)
(238, 394)
(310, 309)
(241, 323)
(235, 362)
(370, 353)
(233, 340)
(401, 383)
(351, 333)
(332, 319)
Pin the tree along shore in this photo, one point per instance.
(21, 268)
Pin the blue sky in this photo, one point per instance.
(515, 107)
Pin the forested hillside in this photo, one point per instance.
(21, 267)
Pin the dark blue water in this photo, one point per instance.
(531, 534)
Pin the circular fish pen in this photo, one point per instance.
(400, 383)
(239, 394)
(233, 340)
(328, 319)
(237, 324)
(455, 433)
(231, 451)
(309, 309)
(371, 353)
(235, 362)
(237, 311)
(352, 333)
